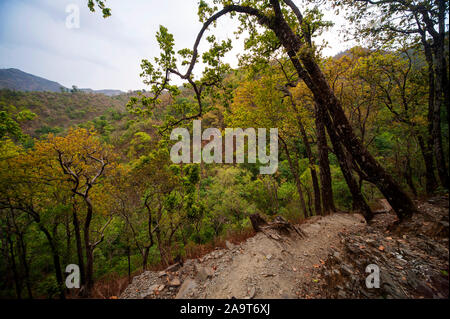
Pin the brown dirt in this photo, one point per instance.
(329, 261)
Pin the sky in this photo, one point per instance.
(106, 53)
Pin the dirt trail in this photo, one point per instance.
(264, 266)
(327, 258)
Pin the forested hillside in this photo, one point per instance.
(88, 179)
(56, 112)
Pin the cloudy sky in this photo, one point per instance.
(104, 53)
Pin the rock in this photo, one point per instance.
(186, 288)
(341, 294)
(269, 257)
(252, 293)
(204, 273)
(346, 269)
(161, 288)
(153, 287)
(162, 274)
(149, 291)
(173, 268)
(175, 282)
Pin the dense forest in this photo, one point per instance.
(87, 179)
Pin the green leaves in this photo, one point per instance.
(10, 127)
(157, 75)
(100, 5)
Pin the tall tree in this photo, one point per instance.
(285, 20)
(423, 21)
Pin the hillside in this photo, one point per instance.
(18, 80)
(58, 111)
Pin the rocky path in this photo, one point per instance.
(264, 266)
(326, 259)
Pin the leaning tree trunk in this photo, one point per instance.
(376, 174)
(359, 203)
(314, 78)
(324, 164)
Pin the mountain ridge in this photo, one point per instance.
(18, 80)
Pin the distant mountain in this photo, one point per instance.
(18, 80)
(106, 92)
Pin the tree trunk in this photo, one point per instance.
(145, 257)
(427, 154)
(17, 282)
(56, 261)
(315, 182)
(408, 176)
(438, 102)
(76, 225)
(297, 179)
(129, 263)
(309, 153)
(324, 164)
(359, 203)
(23, 257)
(150, 236)
(89, 249)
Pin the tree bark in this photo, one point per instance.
(441, 72)
(324, 164)
(359, 203)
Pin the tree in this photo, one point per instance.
(417, 21)
(259, 102)
(85, 161)
(285, 20)
(26, 186)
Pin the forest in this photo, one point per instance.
(87, 179)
